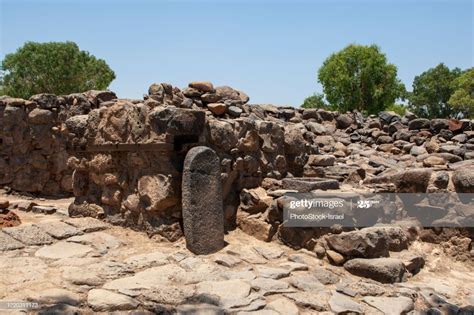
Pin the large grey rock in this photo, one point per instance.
(413, 180)
(365, 243)
(77, 124)
(419, 123)
(343, 121)
(463, 180)
(321, 160)
(177, 121)
(388, 117)
(385, 270)
(203, 215)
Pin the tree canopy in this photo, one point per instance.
(462, 99)
(360, 77)
(432, 90)
(54, 67)
(315, 101)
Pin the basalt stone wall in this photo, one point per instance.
(123, 159)
(128, 154)
(33, 140)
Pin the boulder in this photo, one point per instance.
(234, 111)
(77, 125)
(419, 123)
(255, 225)
(177, 121)
(254, 200)
(365, 243)
(97, 97)
(321, 160)
(343, 121)
(157, 192)
(45, 100)
(316, 128)
(217, 108)
(463, 180)
(202, 86)
(439, 124)
(388, 117)
(40, 117)
(385, 270)
(413, 180)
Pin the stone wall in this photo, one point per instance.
(126, 156)
(33, 142)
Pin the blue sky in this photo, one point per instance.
(269, 49)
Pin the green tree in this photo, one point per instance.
(400, 109)
(359, 77)
(315, 101)
(432, 90)
(462, 99)
(55, 67)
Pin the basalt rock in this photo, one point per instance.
(123, 159)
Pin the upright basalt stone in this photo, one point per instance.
(203, 215)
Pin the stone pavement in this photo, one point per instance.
(84, 266)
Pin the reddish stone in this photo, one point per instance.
(9, 219)
(455, 125)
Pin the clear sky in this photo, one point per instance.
(269, 49)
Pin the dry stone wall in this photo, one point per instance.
(123, 159)
(33, 144)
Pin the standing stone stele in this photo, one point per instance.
(203, 215)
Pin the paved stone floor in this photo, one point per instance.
(84, 266)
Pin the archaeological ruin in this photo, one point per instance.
(195, 163)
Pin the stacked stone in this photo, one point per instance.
(33, 142)
(263, 151)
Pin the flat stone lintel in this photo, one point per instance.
(118, 147)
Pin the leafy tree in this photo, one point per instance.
(400, 109)
(359, 77)
(462, 100)
(315, 101)
(55, 67)
(432, 90)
